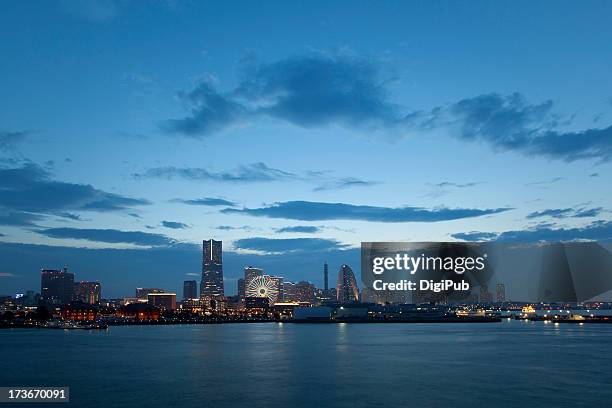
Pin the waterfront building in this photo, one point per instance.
(257, 302)
(190, 289)
(241, 288)
(163, 300)
(325, 277)
(87, 292)
(346, 287)
(143, 293)
(250, 273)
(485, 295)
(57, 286)
(212, 269)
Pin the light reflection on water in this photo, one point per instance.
(346, 365)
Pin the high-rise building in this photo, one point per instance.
(250, 273)
(241, 288)
(87, 292)
(212, 269)
(190, 289)
(299, 292)
(162, 300)
(142, 293)
(325, 277)
(500, 290)
(346, 288)
(57, 286)
(485, 295)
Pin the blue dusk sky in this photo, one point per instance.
(293, 130)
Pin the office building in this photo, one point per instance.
(241, 288)
(57, 286)
(212, 269)
(163, 300)
(190, 289)
(143, 293)
(87, 292)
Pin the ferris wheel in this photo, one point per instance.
(263, 286)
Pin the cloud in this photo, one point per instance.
(31, 189)
(596, 231)
(210, 112)
(248, 173)
(317, 211)
(278, 246)
(594, 175)
(6, 275)
(545, 182)
(174, 225)
(511, 123)
(344, 183)
(206, 201)
(232, 228)
(193, 274)
(10, 140)
(18, 218)
(566, 213)
(445, 187)
(305, 229)
(111, 236)
(309, 91)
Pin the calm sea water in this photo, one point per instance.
(508, 364)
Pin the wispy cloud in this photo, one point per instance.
(248, 173)
(541, 183)
(206, 201)
(317, 211)
(174, 225)
(596, 231)
(567, 213)
(7, 275)
(108, 236)
(445, 187)
(281, 246)
(344, 183)
(10, 140)
(303, 229)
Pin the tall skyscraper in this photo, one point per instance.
(87, 292)
(190, 289)
(325, 277)
(212, 269)
(241, 288)
(500, 290)
(346, 288)
(57, 286)
(250, 273)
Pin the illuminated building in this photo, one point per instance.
(500, 290)
(87, 292)
(241, 288)
(57, 286)
(190, 289)
(346, 288)
(143, 293)
(257, 302)
(163, 300)
(139, 311)
(299, 292)
(79, 311)
(212, 269)
(251, 273)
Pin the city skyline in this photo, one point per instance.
(335, 125)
